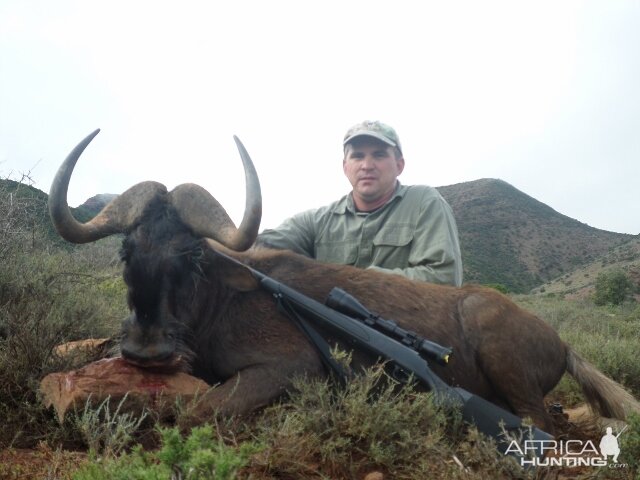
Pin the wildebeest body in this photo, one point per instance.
(241, 339)
(192, 306)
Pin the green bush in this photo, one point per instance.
(203, 455)
(612, 288)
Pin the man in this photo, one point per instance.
(609, 445)
(381, 224)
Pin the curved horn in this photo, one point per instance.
(207, 218)
(117, 217)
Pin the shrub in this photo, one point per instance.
(370, 425)
(203, 455)
(108, 432)
(612, 288)
(20, 207)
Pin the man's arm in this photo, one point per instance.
(296, 233)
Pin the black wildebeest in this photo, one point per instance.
(191, 305)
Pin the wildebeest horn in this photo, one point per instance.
(117, 217)
(207, 218)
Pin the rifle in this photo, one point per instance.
(353, 323)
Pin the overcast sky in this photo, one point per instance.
(544, 95)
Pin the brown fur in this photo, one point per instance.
(189, 302)
(501, 352)
(604, 395)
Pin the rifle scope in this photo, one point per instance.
(347, 304)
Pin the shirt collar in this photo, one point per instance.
(346, 203)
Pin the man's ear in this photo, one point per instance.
(400, 164)
(231, 273)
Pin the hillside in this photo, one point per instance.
(24, 214)
(507, 237)
(510, 238)
(580, 282)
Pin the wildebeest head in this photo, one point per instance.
(166, 247)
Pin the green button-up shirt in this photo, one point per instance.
(414, 234)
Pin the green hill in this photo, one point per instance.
(24, 214)
(510, 238)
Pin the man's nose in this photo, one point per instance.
(368, 162)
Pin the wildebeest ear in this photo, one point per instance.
(232, 273)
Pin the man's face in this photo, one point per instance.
(372, 168)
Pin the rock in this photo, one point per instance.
(115, 378)
(91, 347)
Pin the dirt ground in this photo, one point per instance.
(39, 464)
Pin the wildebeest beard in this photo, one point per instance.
(164, 276)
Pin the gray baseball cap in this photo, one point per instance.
(373, 129)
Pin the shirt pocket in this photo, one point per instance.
(392, 247)
(337, 252)
(396, 236)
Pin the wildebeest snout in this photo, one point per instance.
(149, 345)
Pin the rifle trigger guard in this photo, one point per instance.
(400, 375)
